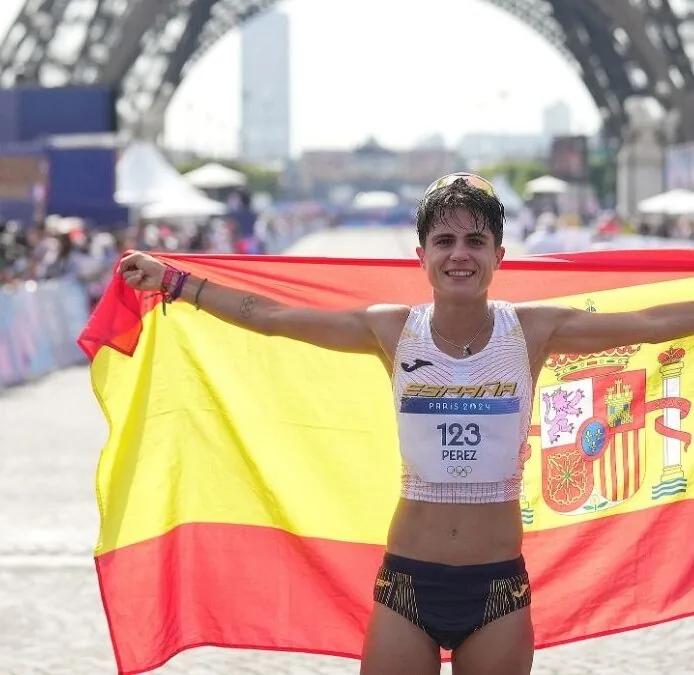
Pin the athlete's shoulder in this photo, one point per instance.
(388, 311)
(538, 321)
(507, 309)
(534, 311)
(387, 317)
(389, 307)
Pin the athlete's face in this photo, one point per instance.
(459, 257)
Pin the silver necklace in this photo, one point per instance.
(466, 347)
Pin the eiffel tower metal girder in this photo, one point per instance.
(586, 40)
(602, 68)
(207, 21)
(670, 26)
(145, 48)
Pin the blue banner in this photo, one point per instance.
(39, 326)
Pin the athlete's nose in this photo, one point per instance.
(460, 253)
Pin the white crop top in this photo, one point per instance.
(462, 423)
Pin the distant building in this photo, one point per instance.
(265, 109)
(556, 120)
(486, 148)
(372, 167)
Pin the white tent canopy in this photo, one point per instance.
(672, 203)
(377, 199)
(546, 185)
(213, 176)
(184, 206)
(144, 176)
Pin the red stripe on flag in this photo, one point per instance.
(611, 574)
(260, 588)
(334, 283)
(235, 586)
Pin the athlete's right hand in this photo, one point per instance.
(142, 272)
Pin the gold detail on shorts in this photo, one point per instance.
(395, 591)
(506, 596)
(521, 591)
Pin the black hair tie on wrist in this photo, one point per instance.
(197, 294)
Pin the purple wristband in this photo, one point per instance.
(178, 288)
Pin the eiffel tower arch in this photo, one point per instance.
(144, 49)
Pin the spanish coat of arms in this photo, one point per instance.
(592, 429)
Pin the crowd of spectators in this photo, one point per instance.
(59, 247)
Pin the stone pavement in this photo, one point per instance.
(51, 622)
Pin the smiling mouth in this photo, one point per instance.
(459, 274)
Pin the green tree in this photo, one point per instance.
(603, 177)
(518, 172)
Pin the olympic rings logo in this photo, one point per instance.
(459, 471)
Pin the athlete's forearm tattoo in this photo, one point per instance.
(247, 305)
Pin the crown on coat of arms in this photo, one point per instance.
(671, 356)
(568, 367)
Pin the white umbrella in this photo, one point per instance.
(672, 203)
(546, 185)
(214, 176)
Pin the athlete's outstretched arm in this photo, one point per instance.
(576, 331)
(349, 331)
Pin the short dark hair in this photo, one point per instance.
(439, 204)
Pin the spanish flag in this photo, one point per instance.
(248, 481)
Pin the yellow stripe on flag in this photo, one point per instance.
(230, 442)
(220, 425)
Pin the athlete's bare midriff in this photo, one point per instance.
(456, 534)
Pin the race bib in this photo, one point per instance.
(470, 440)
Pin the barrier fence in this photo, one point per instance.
(39, 326)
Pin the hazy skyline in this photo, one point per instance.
(381, 68)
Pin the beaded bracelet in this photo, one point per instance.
(172, 285)
(169, 275)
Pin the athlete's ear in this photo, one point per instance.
(500, 253)
(420, 255)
